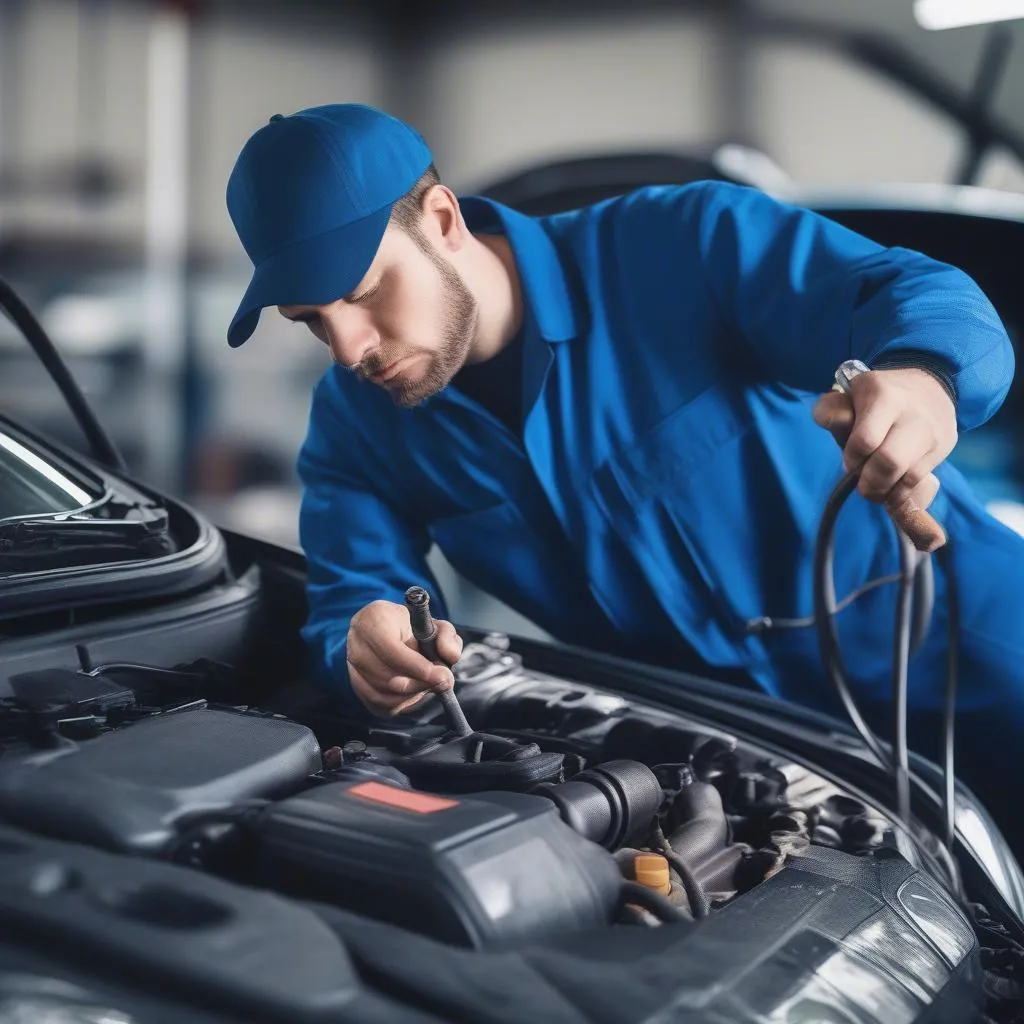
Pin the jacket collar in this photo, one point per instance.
(543, 278)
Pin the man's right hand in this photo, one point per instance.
(387, 671)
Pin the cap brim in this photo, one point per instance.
(313, 272)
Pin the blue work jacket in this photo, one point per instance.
(663, 497)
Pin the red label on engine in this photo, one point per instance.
(403, 799)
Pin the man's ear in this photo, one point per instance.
(442, 219)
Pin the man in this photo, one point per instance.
(612, 419)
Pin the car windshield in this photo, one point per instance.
(31, 486)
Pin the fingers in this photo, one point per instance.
(834, 412)
(386, 669)
(397, 653)
(895, 427)
(408, 705)
(876, 411)
(449, 643)
(919, 497)
(393, 668)
(897, 464)
(893, 448)
(378, 701)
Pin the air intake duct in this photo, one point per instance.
(614, 804)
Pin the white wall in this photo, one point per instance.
(506, 96)
(50, 124)
(490, 99)
(240, 73)
(828, 121)
(244, 73)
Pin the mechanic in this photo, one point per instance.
(619, 420)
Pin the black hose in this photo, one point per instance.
(660, 906)
(103, 447)
(824, 614)
(700, 905)
(900, 671)
(949, 710)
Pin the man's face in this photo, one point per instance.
(407, 326)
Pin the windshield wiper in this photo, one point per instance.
(50, 543)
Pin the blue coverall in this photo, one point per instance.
(666, 490)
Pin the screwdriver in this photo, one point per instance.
(424, 629)
(919, 525)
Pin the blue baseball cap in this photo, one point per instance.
(310, 196)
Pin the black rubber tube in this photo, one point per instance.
(700, 905)
(660, 906)
(949, 710)
(824, 614)
(900, 672)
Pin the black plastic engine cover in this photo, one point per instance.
(832, 939)
(172, 932)
(127, 789)
(495, 869)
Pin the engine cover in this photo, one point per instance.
(126, 790)
(494, 869)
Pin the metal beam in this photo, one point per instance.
(167, 160)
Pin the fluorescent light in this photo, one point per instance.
(941, 14)
(19, 451)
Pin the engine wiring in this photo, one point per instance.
(653, 902)
(825, 609)
(700, 905)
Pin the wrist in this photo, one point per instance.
(933, 366)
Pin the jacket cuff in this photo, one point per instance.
(931, 364)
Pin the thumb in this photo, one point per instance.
(441, 678)
(834, 412)
(449, 643)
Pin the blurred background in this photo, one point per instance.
(120, 121)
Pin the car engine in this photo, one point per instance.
(752, 888)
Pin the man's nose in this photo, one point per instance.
(350, 334)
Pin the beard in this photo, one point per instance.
(459, 326)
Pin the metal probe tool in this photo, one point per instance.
(424, 629)
(918, 524)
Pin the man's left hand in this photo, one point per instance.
(901, 425)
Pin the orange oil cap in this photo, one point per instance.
(651, 869)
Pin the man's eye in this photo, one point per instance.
(368, 294)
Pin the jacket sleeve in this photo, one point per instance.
(803, 293)
(359, 548)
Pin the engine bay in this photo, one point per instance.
(570, 820)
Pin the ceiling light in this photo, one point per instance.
(941, 14)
